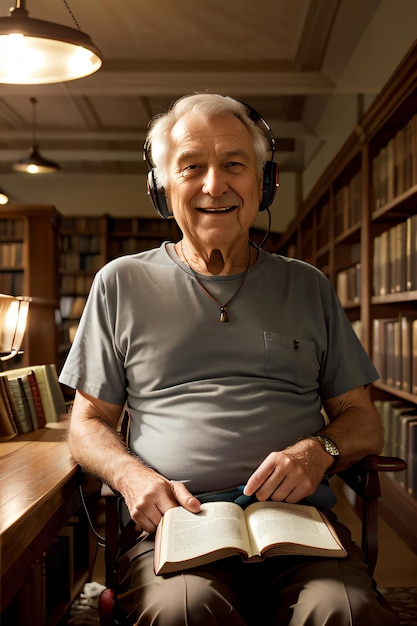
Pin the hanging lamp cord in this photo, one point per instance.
(72, 14)
(33, 102)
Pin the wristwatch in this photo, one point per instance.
(327, 445)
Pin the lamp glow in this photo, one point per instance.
(14, 312)
(34, 52)
(4, 198)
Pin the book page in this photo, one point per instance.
(272, 522)
(187, 535)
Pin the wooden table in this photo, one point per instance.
(39, 483)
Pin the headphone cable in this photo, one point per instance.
(100, 540)
(268, 230)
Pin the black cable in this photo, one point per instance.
(265, 237)
(101, 540)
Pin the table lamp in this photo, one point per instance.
(13, 318)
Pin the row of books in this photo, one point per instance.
(30, 397)
(395, 259)
(11, 282)
(348, 284)
(132, 245)
(395, 351)
(74, 284)
(394, 167)
(75, 262)
(322, 229)
(71, 307)
(117, 225)
(140, 226)
(80, 243)
(84, 225)
(11, 228)
(347, 205)
(399, 420)
(11, 254)
(66, 334)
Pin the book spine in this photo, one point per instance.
(8, 401)
(23, 424)
(37, 400)
(29, 424)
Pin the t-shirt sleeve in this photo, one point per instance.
(94, 365)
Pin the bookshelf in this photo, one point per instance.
(28, 267)
(47, 549)
(86, 243)
(82, 251)
(130, 235)
(359, 226)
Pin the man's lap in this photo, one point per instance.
(283, 590)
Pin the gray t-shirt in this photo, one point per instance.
(210, 400)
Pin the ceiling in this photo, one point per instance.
(284, 57)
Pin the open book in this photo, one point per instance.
(222, 529)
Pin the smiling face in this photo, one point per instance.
(214, 187)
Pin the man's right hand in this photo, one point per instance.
(148, 495)
(94, 442)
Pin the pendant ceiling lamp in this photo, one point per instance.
(35, 163)
(35, 52)
(4, 198)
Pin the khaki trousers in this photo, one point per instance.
(293, 591)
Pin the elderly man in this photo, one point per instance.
(226, 358)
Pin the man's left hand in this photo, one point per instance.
(291, 474)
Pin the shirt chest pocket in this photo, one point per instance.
(292, 361)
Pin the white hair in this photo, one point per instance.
(158, 140)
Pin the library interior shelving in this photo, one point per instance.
(359, 226)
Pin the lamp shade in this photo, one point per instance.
(35, 163)
(34, 52)
(13, 318)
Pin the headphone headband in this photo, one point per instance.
(258, 119)
(270, 172)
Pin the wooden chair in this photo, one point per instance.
(362, 478)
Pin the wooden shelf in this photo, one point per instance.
(39, 497)
(35, 229)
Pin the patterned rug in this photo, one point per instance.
(404, 602)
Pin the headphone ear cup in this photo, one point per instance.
(270, 184)
(157, 195)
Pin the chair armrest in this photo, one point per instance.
(363, 476)
(378, 463)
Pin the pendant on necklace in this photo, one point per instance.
(223, 315)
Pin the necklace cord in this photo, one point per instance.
(223, 313)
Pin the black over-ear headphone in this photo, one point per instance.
(270, 173)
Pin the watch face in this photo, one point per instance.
(328, 445)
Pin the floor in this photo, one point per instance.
(396, 566)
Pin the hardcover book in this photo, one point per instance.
(222, 529)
